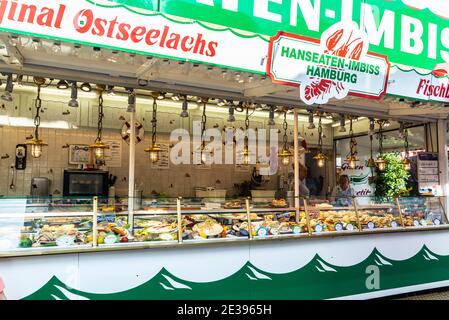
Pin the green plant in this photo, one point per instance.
(393, 180)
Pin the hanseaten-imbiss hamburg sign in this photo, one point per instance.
(335, 67)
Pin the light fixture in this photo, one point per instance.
(36, 143)
(311, 124)
(99, 146)
(131, 101)
(245, 153)
(342, 123)
(76, 50)
(86, 87)
(56, 47)
(14, 40)
(371, 163)
(320, 157)
(36, 44)
(285, 155)
(62, 84)
(161, 96)
(176, 97)
(406, 163)
(113, 57)
(185, 108)
(74, 96)
(7, 95)
(271, 121)
(204, 153)
(380, 162)
(231, 117)
(97, 53)
(110, 90)
(352, 159)
(154, 150)
(221, 103)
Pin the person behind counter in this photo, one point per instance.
(2, 288)
(303, 189)
(343, 192)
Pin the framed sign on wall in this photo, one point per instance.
(79, 154)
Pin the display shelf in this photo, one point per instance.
(45, 214)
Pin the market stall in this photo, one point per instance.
(131, 132)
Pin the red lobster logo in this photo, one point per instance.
(340, 45)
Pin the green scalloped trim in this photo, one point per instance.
(416, 71)
(233, 31)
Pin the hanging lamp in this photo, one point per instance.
(154, 150)
(245, 153)
(320, 157)
(371, 162)
(406, 163)
(285, 155)
(352, 159)
(99, 146)
(380, 162)
(36, 143)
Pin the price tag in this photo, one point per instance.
(416, 223)
(64, 241)
(296, 229)
(371, 225)
(262, 232)
(350, 227)
(436, 222)
(423, 222)
(338, 226)
(318, 228)
(274, 231)
(110, 239)
(394, 224)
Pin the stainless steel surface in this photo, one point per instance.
(40, 187)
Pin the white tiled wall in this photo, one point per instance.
(54, 160)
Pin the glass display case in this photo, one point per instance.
(378, 213)
(52, 225)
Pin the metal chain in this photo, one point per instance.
(203, 125)
(100, 116)
(353, 142)
(320, 134)
(285, 127)
(406, 141)
(381, 137)
(37, 118)
(247, 119)
(154, 123)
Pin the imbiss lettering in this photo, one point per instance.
(86, 22)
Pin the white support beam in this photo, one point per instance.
(265, 90)
(417, 111)
(443, 161)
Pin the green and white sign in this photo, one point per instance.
(334, 67)
(411, 32)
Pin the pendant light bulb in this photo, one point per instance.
(203, 157)
(352, 164)
(406, 164)
(185, 108)
(285, 161)
(342, 123)
(36, 150)
(74, 96)
(7, 95)
(154, 156)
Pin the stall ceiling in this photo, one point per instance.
(46, 58)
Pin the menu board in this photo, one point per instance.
(113, 155)
(428, 173)
(164, 157)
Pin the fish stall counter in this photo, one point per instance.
(71, 248)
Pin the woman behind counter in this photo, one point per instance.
(343, 192)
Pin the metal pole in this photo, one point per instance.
(296, 162)
(95, 222)
(443, 161)
(132, 168)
